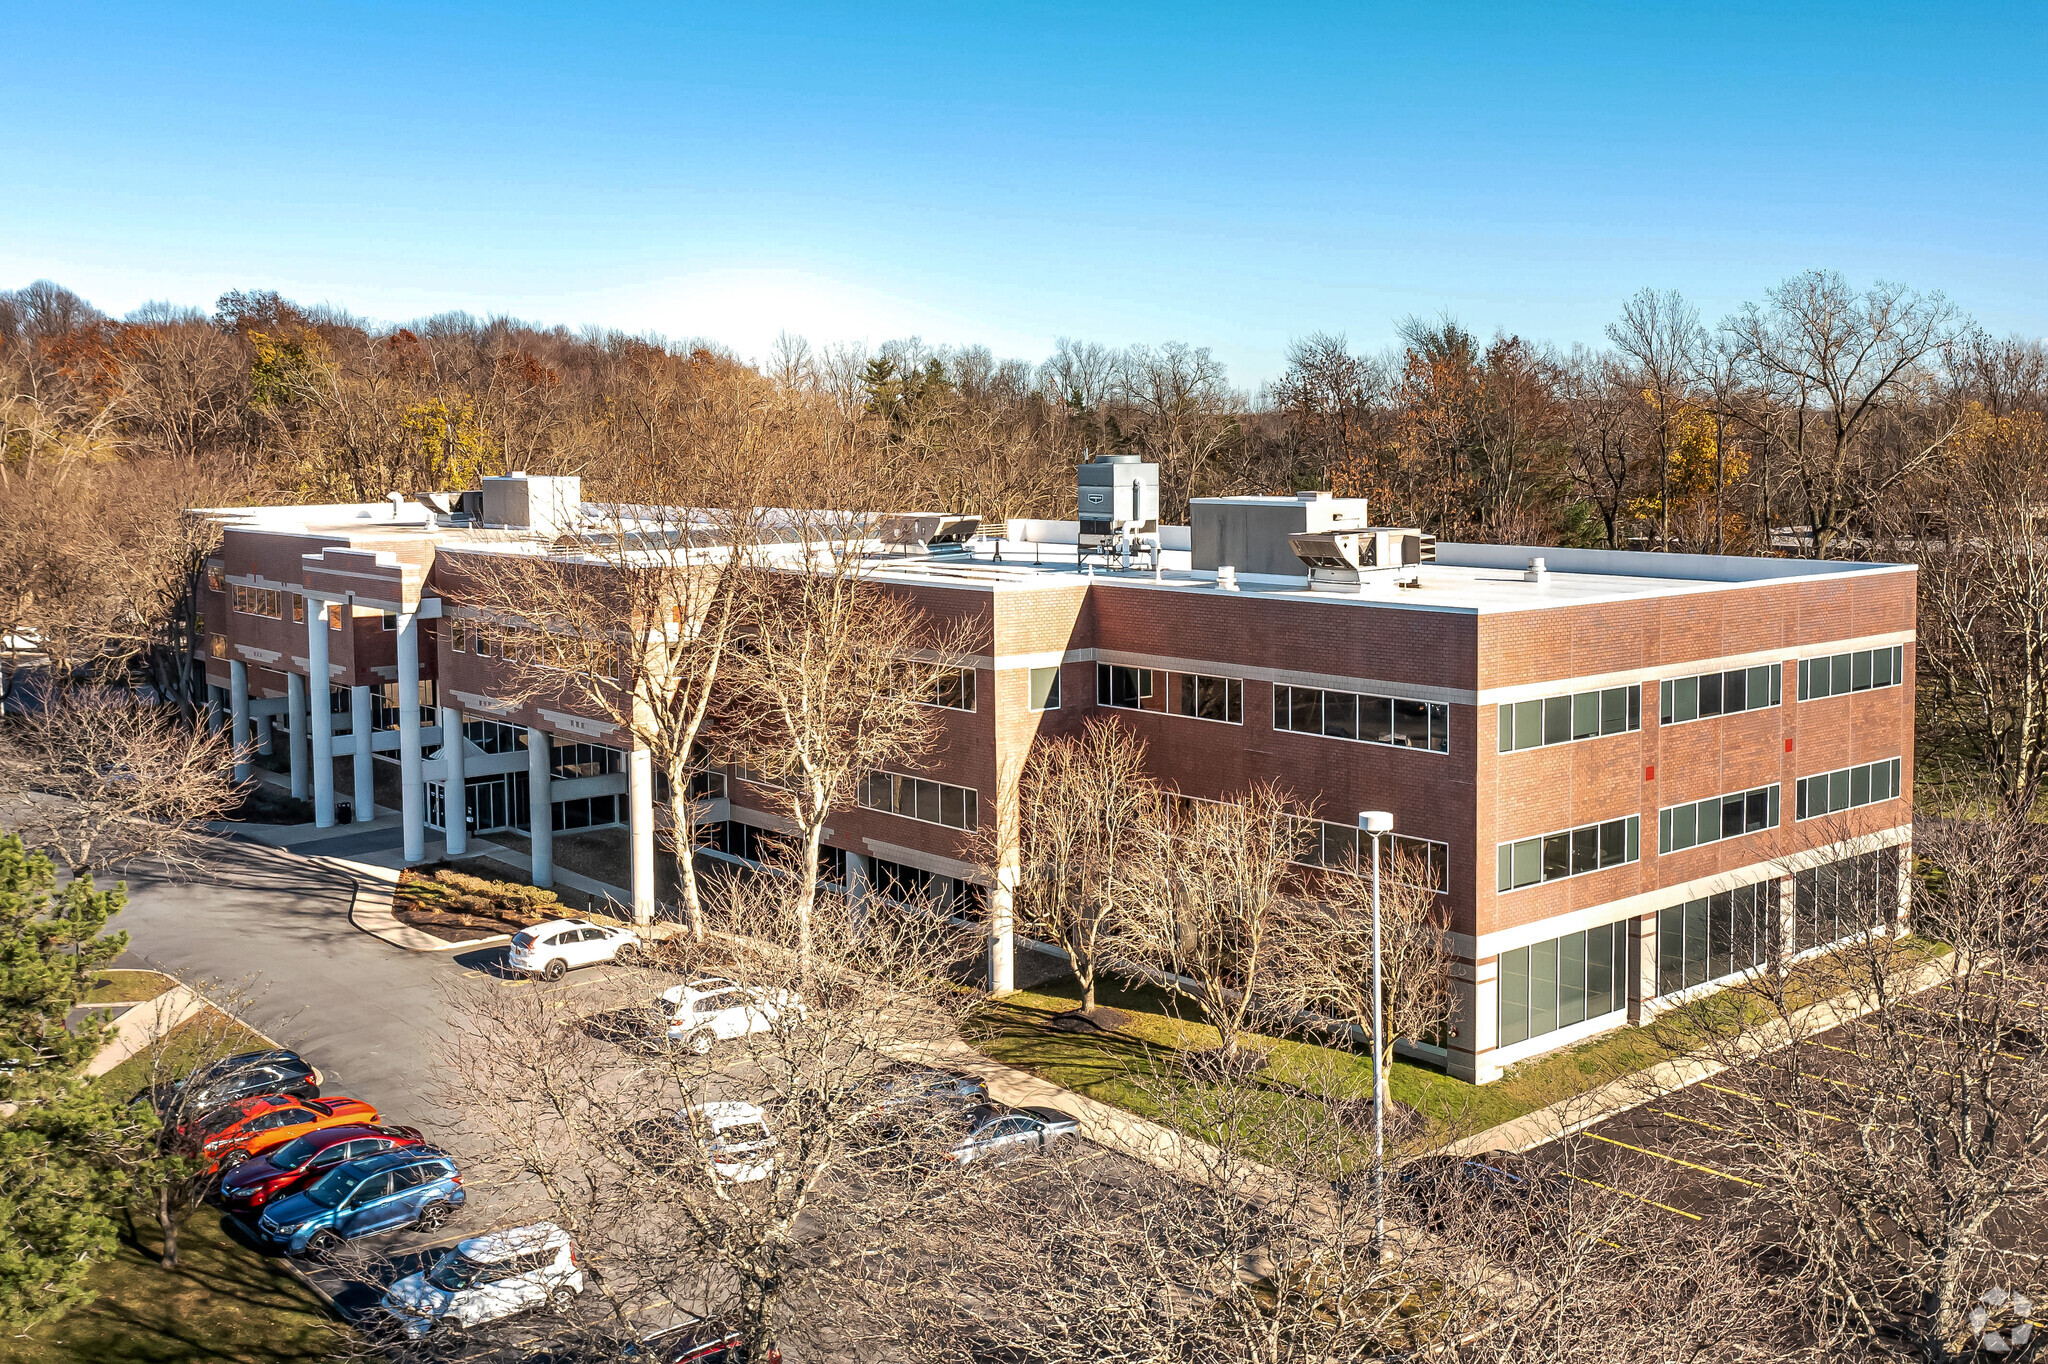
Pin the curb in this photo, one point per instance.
(370, 910)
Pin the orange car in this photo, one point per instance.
(252, 1126)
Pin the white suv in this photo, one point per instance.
(735, 1137)
(717, 1010)
(550, 949)
(488, 1277)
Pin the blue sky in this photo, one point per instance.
(1233, 177)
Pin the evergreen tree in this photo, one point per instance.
(57, 1189)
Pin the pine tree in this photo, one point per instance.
(57, 1190)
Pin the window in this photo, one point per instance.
(494, 736)
(1717, 817)
(217, 646)
(1680, 699)
(1843, 899)
(1210, 698)
(1128, 688)
(1336, 845)
(1045, 688)
(1363, 719)
(1865, 670)
(333, 610)
(461, 635)
(589, 812)
(1715, 936)
(916, 798)
(258, 601)
(1569, 852)
(1566, 719)
(569, 761)
(390, 621)
(1550, 985)
(1845, 790)
(216, 578)
(385, 710)
(298, 609)
(952, 688)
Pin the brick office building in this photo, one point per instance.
(1630, 775)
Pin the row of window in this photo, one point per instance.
(1550, 985)
(1363, 719)
(952, 688)
(1680, 699)
(1341, 845)
(1830, 792)
(1569, 852)
(260, 601)
(570, 761)
(1717, 817)
(1715, 936)
(933, 802)
(1864, 670)
(1566, 719)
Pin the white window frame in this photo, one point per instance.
(1508, 719)
(1631, 838)
(1052, 693)
(1668, 816)
(1233, 696)
(1667, 693)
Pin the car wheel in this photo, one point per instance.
(561, 1298)
(322, 1246)
(699, 1042)
(628, 951)
(554, 970)
(432, 1217)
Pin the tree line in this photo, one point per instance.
(1824, 420)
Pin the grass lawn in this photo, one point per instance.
(1127, 1068)
(223, 1302)
(128, 987)
(206, 1036)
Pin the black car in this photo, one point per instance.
(246, 1076)
(701, 1342)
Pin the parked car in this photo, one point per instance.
(487, 1278)
(552, 949)
(246, 1076)
(284, 1169)
(715, 1010)
(228, 1136)
(412, 1186)
(926, 1100)
(697, 1342)
(1003, 1137)
(736, 1137)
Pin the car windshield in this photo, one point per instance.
(293, 1154)
(332, 1187)
(456, 1272)
(742, 1134)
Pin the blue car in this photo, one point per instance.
(413, 1186)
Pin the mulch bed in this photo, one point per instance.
(1099, 1019)
(458, 907)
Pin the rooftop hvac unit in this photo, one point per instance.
(1338, 560)
(927, 533)
(1116, 491)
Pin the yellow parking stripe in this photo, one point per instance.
(1637, 1197)
(1703, 1169)
(1776, 1103)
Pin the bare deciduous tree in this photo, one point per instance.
(101, 780)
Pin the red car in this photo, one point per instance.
(282, 1169)
(228, 1136)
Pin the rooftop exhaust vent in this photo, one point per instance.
(1339, 560)
(1117, 494)
(927, 533)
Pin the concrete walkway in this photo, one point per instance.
(1567, 1116)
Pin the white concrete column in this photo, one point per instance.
(317, 706)
(412, 788)
(238, 700)
(454, 784)
(265, 743)
(1002, 933)
(366, 772)
(640, 807)
(214, 717)
(540, 818)
(857, 877)
(295, 731)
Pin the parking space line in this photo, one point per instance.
(1703, 1169)
(1637, 1197)
(1776, 1103)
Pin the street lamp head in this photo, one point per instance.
(1376, 821)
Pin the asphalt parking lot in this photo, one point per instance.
(1678, 1153)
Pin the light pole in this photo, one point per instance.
(1375, 823)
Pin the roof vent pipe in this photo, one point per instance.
(1536, 572)
(1226, 578)
(397, 501)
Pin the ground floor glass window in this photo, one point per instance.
(1555, 984)
(1715, 936)
(1845, 898)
